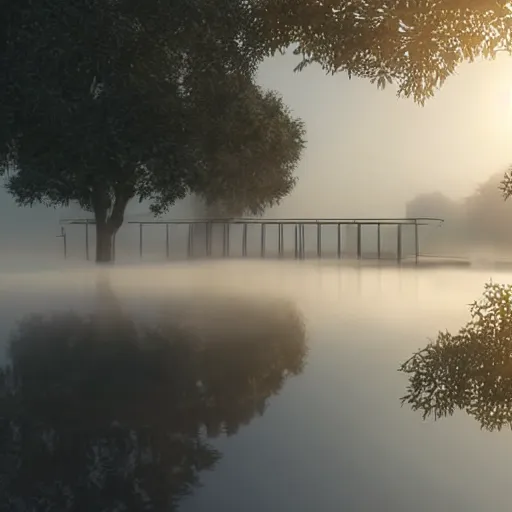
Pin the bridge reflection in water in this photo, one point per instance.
(300, 238)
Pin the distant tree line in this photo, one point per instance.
(482, 219)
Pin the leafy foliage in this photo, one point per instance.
(253, 147)
(103, 412)
(470, 370)
(102, 102)
(417, 44)
(487, 215)
(506, 185)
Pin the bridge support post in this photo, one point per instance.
(209, 237)
(319, 240)
(339, 240)
(225, 240)
(244, 240)
(263, 239)
(280, 245)
(64, 241)
(140, 239)
(399, 243)
(87, 240)
(296, 246)
(378, 242)
(359, 253)
(167, 247)
(416, 241)
(190, 244)
(228, 242)
(302, 233)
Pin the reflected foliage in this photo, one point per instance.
(103, 412)
(470, 370)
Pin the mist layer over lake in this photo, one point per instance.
(333, 435)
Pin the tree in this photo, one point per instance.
(506, 185)
(487, 215)
(437, 205)
(101, 102)
(417, 44)
(253, 145)
(470, 370)
(106, 412)
(431, 205)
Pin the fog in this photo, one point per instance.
(311, 429)
(368, 152)
(335, 436)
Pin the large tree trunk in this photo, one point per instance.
(109, 218)
(104, 241)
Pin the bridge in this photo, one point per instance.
(210, 238)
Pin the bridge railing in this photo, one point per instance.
(209, 230)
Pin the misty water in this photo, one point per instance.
(302, 410)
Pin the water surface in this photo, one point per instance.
(331, 434)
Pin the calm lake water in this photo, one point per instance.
(294, 403)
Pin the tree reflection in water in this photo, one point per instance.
(104, 413)
(470, 370)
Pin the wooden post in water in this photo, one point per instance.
(299, 234)
(282, 239)
(140, 239)
(263, 239)
(378, 241)
(319, 240)
(359, 254)
(399, 243)
(87, 239)
(190, 245)
(339, 240)
(227, 230)
(167, 247)
(279, 240)
(224, 240)
(244, 240)
(303, 240)
(416, 241)
(208, 237)
(296, 241)
(64, 241)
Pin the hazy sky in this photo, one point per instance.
(369, 152)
